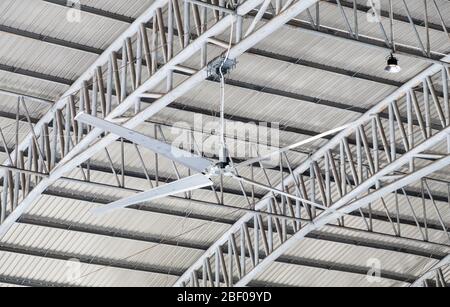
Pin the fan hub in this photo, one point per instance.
(222, 168)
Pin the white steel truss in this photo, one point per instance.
(367, 165)
(353, 17)
(70, 140)
(302, 23)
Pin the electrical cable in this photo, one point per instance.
(222, 89)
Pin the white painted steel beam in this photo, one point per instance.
(328, 218)
(347, 198)
(431, 272)
(342, 207)
(84, 150)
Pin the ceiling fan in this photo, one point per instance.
(206, 170)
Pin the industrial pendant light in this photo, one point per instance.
(392, 66)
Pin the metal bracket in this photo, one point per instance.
(226, 65)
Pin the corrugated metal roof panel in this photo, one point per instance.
(51, 272)
(93, 247)
(130, 220)
(288, 275)
(185, 220)
(33, 16)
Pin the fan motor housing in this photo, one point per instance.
(220, 66)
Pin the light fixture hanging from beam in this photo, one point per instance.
(392, 66)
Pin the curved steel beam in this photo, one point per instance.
(239, 228)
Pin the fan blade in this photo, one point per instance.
(176, 187)
(285, 149)
(276, 191)
(175, 154)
